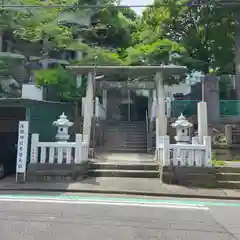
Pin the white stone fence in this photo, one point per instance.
(59, 152)
(194, 154)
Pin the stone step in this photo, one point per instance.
(121, 138)
(126, 166)
(134, 136)
(126, 134)
(126, 144)
(228, 176)
(117, 123)
(125, 150)
(126, 131)
(126, 138)
(127, 125)
(123, 173)
(132, 128)
(126, 147)
(228, 184)
(114, 146)
(225, 169)
(120, 145)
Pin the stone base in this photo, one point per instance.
(57, 172)
(190, 176)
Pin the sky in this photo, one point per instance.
(136, 2)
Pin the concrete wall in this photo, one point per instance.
(190, 176)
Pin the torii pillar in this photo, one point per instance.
(161, 121)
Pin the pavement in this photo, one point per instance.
(27, 217)
(127, 186)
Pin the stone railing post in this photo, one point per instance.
(34, 148)
(228, 134)
(207, 141)
(78, 149)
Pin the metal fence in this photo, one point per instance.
(186, 107)
(189, 107)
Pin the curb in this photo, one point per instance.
(122, 192)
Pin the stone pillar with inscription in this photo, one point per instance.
(211, 97)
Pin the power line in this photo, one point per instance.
(86, 6)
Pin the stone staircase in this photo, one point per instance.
(228, 177)
(126, 137)
(216, 177)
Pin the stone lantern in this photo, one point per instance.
(62, 124)
(183, 130)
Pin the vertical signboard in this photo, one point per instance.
(22, 151)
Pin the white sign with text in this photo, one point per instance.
(22, 148)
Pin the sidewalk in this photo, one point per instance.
(130, 186)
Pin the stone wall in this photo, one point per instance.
(57, 172)
(190, 176)
(228, 153)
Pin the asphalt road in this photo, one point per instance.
(90, 218)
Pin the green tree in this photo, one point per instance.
(109, 27)
(63, 82)
(206, 32)
(100, 56)
(40, 34)
(107, 31)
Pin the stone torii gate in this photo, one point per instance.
(156, 73)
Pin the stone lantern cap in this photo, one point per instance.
(62, 121)
(182, 122)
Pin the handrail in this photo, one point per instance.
(147, 128)
(147, 121)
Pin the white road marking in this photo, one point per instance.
(112, 203)
(100, 200)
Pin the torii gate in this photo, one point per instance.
(157, 73)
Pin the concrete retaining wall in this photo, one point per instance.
(57, 172)
(190, 176)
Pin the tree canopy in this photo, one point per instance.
(206, 32)
(202, 36)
